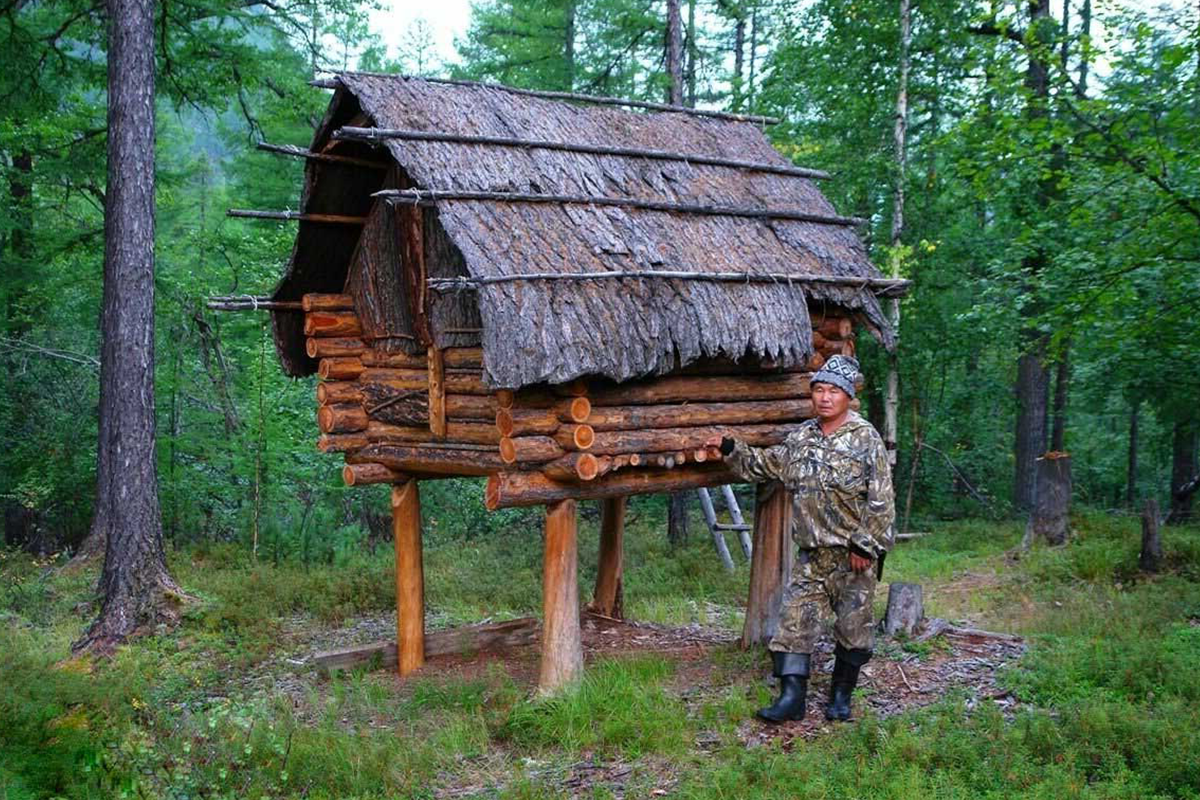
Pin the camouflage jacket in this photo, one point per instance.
(841, 484)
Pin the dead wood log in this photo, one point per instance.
(509, 489)
(437, 393)
(905, 608)
(364, 474)
(1052, 505)
(338, 392)
(334, 347)
(633, 417)
(342, 418)
(1150, 558)
(702, 389)
(327, 302)
(467, 639)
(341, 442)
(479, 433)
(676, 440)
(575, 437)
(457, 381)
(573, 467)
(441, 459)
(452, 357)
(543, 422)
(529, 449)
(332, 323)
(340, 369)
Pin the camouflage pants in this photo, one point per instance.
(823, 585)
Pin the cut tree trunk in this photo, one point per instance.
(1183, 471)
(677, 527)
(139, 593)
(608, 599)
(410, 577)
(905, 608)
(1150, 559)
(770, 564)
(562, 639)
(1051, 512)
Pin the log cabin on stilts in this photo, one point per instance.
(567, 299)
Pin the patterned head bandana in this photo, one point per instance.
(841, 371)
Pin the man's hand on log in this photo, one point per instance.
(859, 563)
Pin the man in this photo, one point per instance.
(837, 469)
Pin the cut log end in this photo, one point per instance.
(365, 474)
(327, 302)
(579, 409)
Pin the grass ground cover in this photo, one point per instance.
(1109, 705)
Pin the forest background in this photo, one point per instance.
(1051, 231)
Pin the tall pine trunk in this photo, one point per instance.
(892, 401)
(1131, 464)
(1185, 444)
(1033, 379)
(138, 592)
(674, 53)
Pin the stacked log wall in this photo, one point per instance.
(396, 415)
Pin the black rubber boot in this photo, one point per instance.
(845, 677)
(792, 670)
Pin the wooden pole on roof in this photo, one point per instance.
(376, 134)
(431, 197)
(410, 577)
(562, 639)
(574, 97)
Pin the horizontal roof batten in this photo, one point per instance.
(300, 152)
(754, 119)
(376, 134)
(434, 196)
(892, 287)
(295, 216)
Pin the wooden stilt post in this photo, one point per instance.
(410, 577)
(607, 598)
(562, 641)
(770, 563)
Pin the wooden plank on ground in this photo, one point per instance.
(466, 639)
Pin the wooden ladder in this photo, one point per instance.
(718, 528)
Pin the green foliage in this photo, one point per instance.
(619, 709)
(1107, 707)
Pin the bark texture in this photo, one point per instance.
(1052, 507)
(138, 592)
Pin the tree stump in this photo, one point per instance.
(905, 608)
(1150, 559)
(1052, 505)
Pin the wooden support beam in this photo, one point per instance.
(770, 563)
(466, 639)
(513, 489)
(410, 577)
(363, 474)
(315, 301)
(437, 393)
(562, 639)
(299, 152)
(607, 599)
